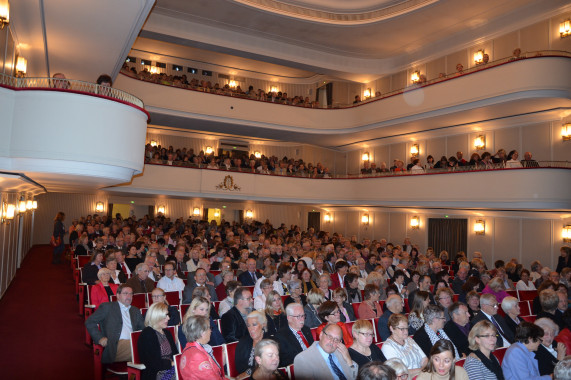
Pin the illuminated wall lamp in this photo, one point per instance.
(8, 212)
(415, 77)
(479, 57)
(367, 93)
(232, 84)
(216, 213)
(274, 89)
(327, 218)
(257, 154)
(415, 222)
(153, 143)
(567, 233)
(366, 156)
(480, 142)
(99, 207)
(249, 214)
(34, 205)
(161, 209)
(196, 211)
(414, 150)
(29, 205)
(365, 219)
(565, 28)
(22, 206)
(566, 132)
(21, 66)
(209, 150)
(4, 13)
(480, 227)
(154, 70)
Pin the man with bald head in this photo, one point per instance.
(395, 305)
(327, 359)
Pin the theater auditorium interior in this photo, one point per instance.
(313, 115)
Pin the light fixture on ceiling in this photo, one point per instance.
(249, 214)
(154, 143)
(327, 218)
(209, 150)
(21, 66)
(196, 211)
(415, 77)
(566, 131)
(366, 156)
(367, 93)
(480, 227)
(257, 154)
(365, 219)
(565, 28)
(161, 209)
(479, 57)
(4, 13)
(99, 207)
(232, 84)
(414, 150)
(415, 222)
(567, 233)
(480, 142)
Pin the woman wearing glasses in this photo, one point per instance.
(481, 363)
(519, 361)
(330, 314)
(400, 345)
(158, 296)
(363, 350)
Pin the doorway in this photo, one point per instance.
(314, 220)
(449, 235)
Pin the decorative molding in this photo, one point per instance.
(228, 184)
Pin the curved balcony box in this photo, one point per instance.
(83, 138)
(527, 85)
(525, 189)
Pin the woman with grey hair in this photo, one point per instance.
(104, 289)
(549, 352)
(257, 330)
(399, 367)
(197, 360)
(314, 299)
(267, 357)
(510, 306)
(295, 291)
(432, 331)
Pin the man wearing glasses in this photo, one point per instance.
(233, 322)
(327, 359)
(488, 312)
(295, 337)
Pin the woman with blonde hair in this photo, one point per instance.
(257, 330)
(497, 288)
(275, 314)
(267, 357)
(481, 364)
(363, 350)
(324, 283)
(314, 299)
(156, 345)
(200, 306)
(378, 279)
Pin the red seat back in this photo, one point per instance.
(230, 350)
(455, 297)
(184, 308)
(177, 365)
(173, 298)
(512, 293)
(82, 260)
(529, 318)
(356, 308)
(216, 305)
(218, 353)
(379, 344)
(136, 359)
(460, 363)
(524, 308)
(406, 307)
(526, 295)
(499, 353)
(314, 334)
(139, 300)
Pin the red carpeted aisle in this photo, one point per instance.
(41, 331)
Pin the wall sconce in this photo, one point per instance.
(257, 154)
(567, 233)
(479, 57)
(273, 88)
(34, 205)
(415, 77)
(216, 213)
(154, 70)
(232, 84)
(161, 209)
(414, 150)
(480, 227)
(22, 206)
(153, 143)
(415, 222)
(565, 28)
(209, 150)
(99, 207)
(28, 205)
(8, 212)
(365, 156)
(566, 132)
(327, 218)
(367, 93)
(480, 142)
(249, 214)
(4, 13)
(21, 66)
(365, 219)
(196, 211)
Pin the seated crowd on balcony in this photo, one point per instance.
(454, 302)
(181, 81)
(242, 163)
(477, 162)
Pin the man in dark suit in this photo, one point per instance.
(140, 281)
(329, 264)
(199, 280)
(458, 327)
(424, 285)
(318, 269)
(459, 280)
(295, 337)
(250, 276)
(394, 305)
(110, 318)
(488, 311)
(232, 322)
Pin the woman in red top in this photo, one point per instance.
(104, 289)
(329, 313)
(197, 361)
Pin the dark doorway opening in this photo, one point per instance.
(449, 235)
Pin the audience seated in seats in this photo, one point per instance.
(481, 364)
(564, 260)
(329, 313)
(400, 345)
(458, 327)
(158, 295)
(416, 315)
(510, 306)
(228, 302)
(340, 298)
(489, 310)
(441, 363)
(275, 313)
(296, 296)
(370, 308)
(512, 161)
(443, 298)
(267, 357)
(528, 162)
(112, 324)
(250, 277)
(201, 291)
(169, 282)
(352, 288)
(314, 299)
(117, 276)
(549, 352)
(525, 283)
(363, 350)
(496, 288)
(140, 281)
(549, 300)
(257, 330)
(519, 360)
(201, 307)
(432, 330)
(397, 365)
(59, 81)
(91, 269)
(232, 322)
(295, 337)
(133, 258)
(198, 362)
(156, 345)
(327, 359)
(266, 287)
(395, 305)
(200, 280)
(104, 289)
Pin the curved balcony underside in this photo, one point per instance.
(524, 91)
(508, 189)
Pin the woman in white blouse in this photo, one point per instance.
(525, 283)
(400, 345)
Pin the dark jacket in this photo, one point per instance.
(233, 325)
(276, 323)
(150, 353)
(545, 361)
(246, 278)
(243, 352)
(457, 337)
(510, 337)
(289, 345)
(423, 340)
(216, 338)
(350, 312)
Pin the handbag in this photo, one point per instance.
(55, 242)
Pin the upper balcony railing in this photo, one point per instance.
(155, 78)
(70, 85)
